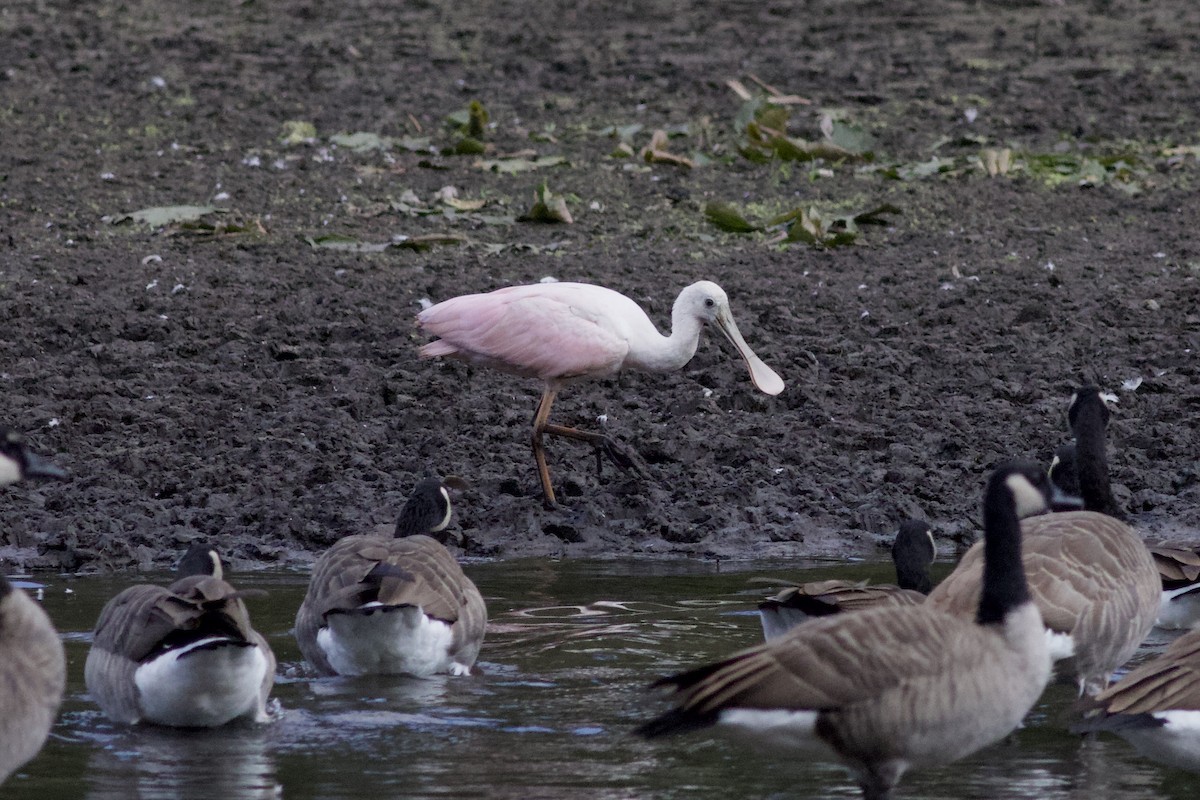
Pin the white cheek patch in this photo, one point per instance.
(1028, 500)
(10, 471)
(932, 544)
(441, 526)
(217, 571)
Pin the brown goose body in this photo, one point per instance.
(184, 656)
(1178, 565)
(913, 553)
(394, 605)
(1092, 579)
(1156, 706)
(1090, 573)
(33, 672)
(891, 688)
(836, 596)
(33, 665)
(1179, 569)
(361, 577)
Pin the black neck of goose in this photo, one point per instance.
(1004, 585)
(5, 587)
(915, 577)
(1091, 460)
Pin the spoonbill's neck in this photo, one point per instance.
(670, 353)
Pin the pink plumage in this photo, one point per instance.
(562, 331)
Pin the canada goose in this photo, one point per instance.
(399, 605)
(1156, 707)
(183, 656)
(1090, 574)
(1178, 566)
(890, 688)
(33, 667)
(913, 553)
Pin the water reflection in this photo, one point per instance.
(167, 764)
(560, 685)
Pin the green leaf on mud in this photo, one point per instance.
(337, 241)
(788, 148)
(477, 120)
(851, 138)
(625, 133)
(297, 131)
(622, 150)
(161, 216)
(448, 195)
(414, 144)
(548, 207)
(471, 121)
(366, 141)
(361, 141)
(512, 166)
(808, 225)
(348, 244)
(760, 110)
(728, 218)
(802, 224)
(466, 146)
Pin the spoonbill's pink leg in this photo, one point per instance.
(620, 454)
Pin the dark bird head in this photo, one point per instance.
(1063, 472)
(1089, 404)
(200, 559)
(428, 508)
(913, 553)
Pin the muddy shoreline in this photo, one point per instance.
(238, 379)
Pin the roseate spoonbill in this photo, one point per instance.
(890, 688)
(561, 332)
(1091, 575)
(183, 656)
(394, 605)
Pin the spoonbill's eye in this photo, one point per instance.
(709, 302)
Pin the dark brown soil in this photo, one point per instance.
(239, 384)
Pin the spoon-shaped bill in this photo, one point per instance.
(765, 378)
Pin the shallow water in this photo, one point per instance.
(570, 649)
